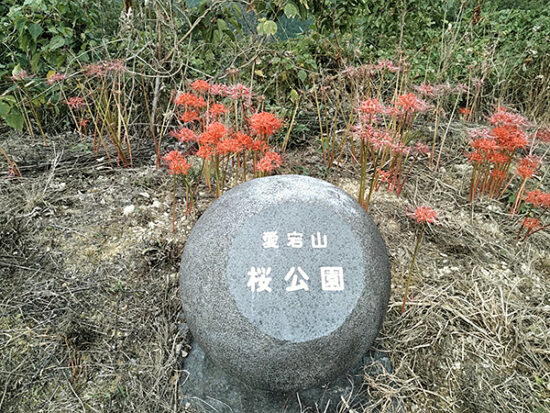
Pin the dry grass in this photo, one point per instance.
(89, 307)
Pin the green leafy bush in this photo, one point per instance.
(41, 35)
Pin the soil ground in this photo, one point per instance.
(89, 306)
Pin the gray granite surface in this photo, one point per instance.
(285, 282)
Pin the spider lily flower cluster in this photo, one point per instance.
(220, 127)
(422, 215)
(103, 99)
(379, 134)
(332, 110)
(498, 155)
(104, 103)
(386, 142)
(223, 127)
(538, 206)
(178, 167)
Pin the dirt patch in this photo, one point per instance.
(89, 306)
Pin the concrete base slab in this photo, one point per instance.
(208, 388)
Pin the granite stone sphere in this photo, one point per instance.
(285, 282)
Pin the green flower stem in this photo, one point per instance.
(174, 207)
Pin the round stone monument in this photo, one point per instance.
(285, 282)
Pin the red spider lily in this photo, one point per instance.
(75, 102)
(465, 112)
(538, 198)
(543, 135)
(484, 145)
(475, 157)
(385, 141)
(371, 107)
(177, 164)
(365, 132)
(228, 146)
(526, 170)
(428, 90)
(190, 100)
(411, 103)
(173, 156)
(510, 138)
(115, 65)
(388, 65)
(56, 77)
(480, 133)
(381, 140)
(218, 90)
(502, 117)
(94, 69)
(384, 176)
(206, 138)
(264, 124)
(367, 70)
(189, 116)
(498, 174)
(103, 68)
(217, 130)
(527, 166)
(200, 85)
(217, 109)
(244, 140)
(258, 146)
(498, 158)
(399, 148)
(421, 148)
(269, 162)
(494, 151)
(184, 135)
(238, 91)
(84, 122)
(423, 215)
(531, 224)
(235, 146)
(205, 152)
(213, 134)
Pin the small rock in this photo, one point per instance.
(128, 210)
